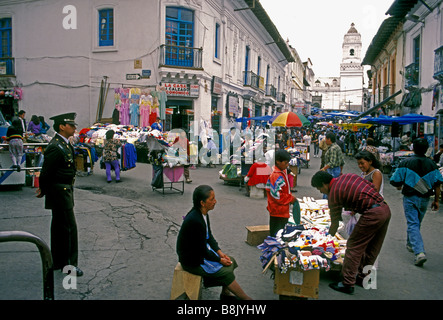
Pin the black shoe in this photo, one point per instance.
(77, 271)
(118, 181)
(109, 181)
(339, 286)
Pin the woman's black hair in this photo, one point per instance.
(201, 193)
(320, 178)
(368, 156)
(110, 134)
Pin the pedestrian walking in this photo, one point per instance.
(14, 135)
(279, 193)
(57, 185)
(182, 143)
(353, 193)
(334, 159)
(316, 143)
(199, 252)
(111, 156)
(419, 179)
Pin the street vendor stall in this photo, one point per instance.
(30, 165)
(300, 251)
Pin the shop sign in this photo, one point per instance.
(233, 105)
(181, 89)
(216, 85)
(133, 76)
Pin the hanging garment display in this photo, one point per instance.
(134, 111)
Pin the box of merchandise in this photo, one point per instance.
(297, 282)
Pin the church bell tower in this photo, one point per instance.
(351, 71)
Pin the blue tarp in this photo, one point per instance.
(406, 119)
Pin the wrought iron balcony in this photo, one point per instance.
(251, 79)
(183, 57)
(412, 74)
(7, 66)
(438, 64)
(271, 91)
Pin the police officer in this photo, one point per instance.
(57, 185)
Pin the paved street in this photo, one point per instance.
(127, 235)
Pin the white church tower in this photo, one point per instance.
(351, 72)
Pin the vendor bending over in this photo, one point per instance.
(353, 193)
(198, 251)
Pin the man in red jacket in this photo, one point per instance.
(279, 193)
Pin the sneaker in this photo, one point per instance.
(188, 180)
(409, 248)
(420, 259)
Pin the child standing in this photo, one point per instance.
(278, 193)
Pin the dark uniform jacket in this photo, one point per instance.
(58, 174)
(192, 240)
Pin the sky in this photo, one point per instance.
(315, 28)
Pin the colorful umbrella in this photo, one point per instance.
(290, 119)
(324, 123)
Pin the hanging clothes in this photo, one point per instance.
(154, 114)
(144, 111)
(134, 111)
(162, 97)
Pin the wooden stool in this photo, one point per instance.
(186, 283)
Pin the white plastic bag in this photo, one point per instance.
(351, 222)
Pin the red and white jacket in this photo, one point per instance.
(279, 193)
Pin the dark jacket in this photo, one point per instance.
(418, 175)
(191, 240)
(58, 174)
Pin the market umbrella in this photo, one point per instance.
(290, 119)
(324, 123)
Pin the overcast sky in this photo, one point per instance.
(315, 28)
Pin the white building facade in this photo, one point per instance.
(216, 60)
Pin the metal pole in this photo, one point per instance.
(45, 255)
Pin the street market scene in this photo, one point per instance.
(209, 160)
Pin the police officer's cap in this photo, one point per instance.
(66, 118)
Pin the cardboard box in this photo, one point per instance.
(79, 162)
(257, 234)
(297, 283)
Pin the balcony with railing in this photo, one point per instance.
(251, 79)
(270, 91)
(180, 57)
(7, 66)
(438, 64)
(388, 90)
(412, 74)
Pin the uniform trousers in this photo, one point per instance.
(365, 242)
(64, 239)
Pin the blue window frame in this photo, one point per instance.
(106, 27)
(247, 64)
(179, 35)
(217, 41)
(6, 45)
